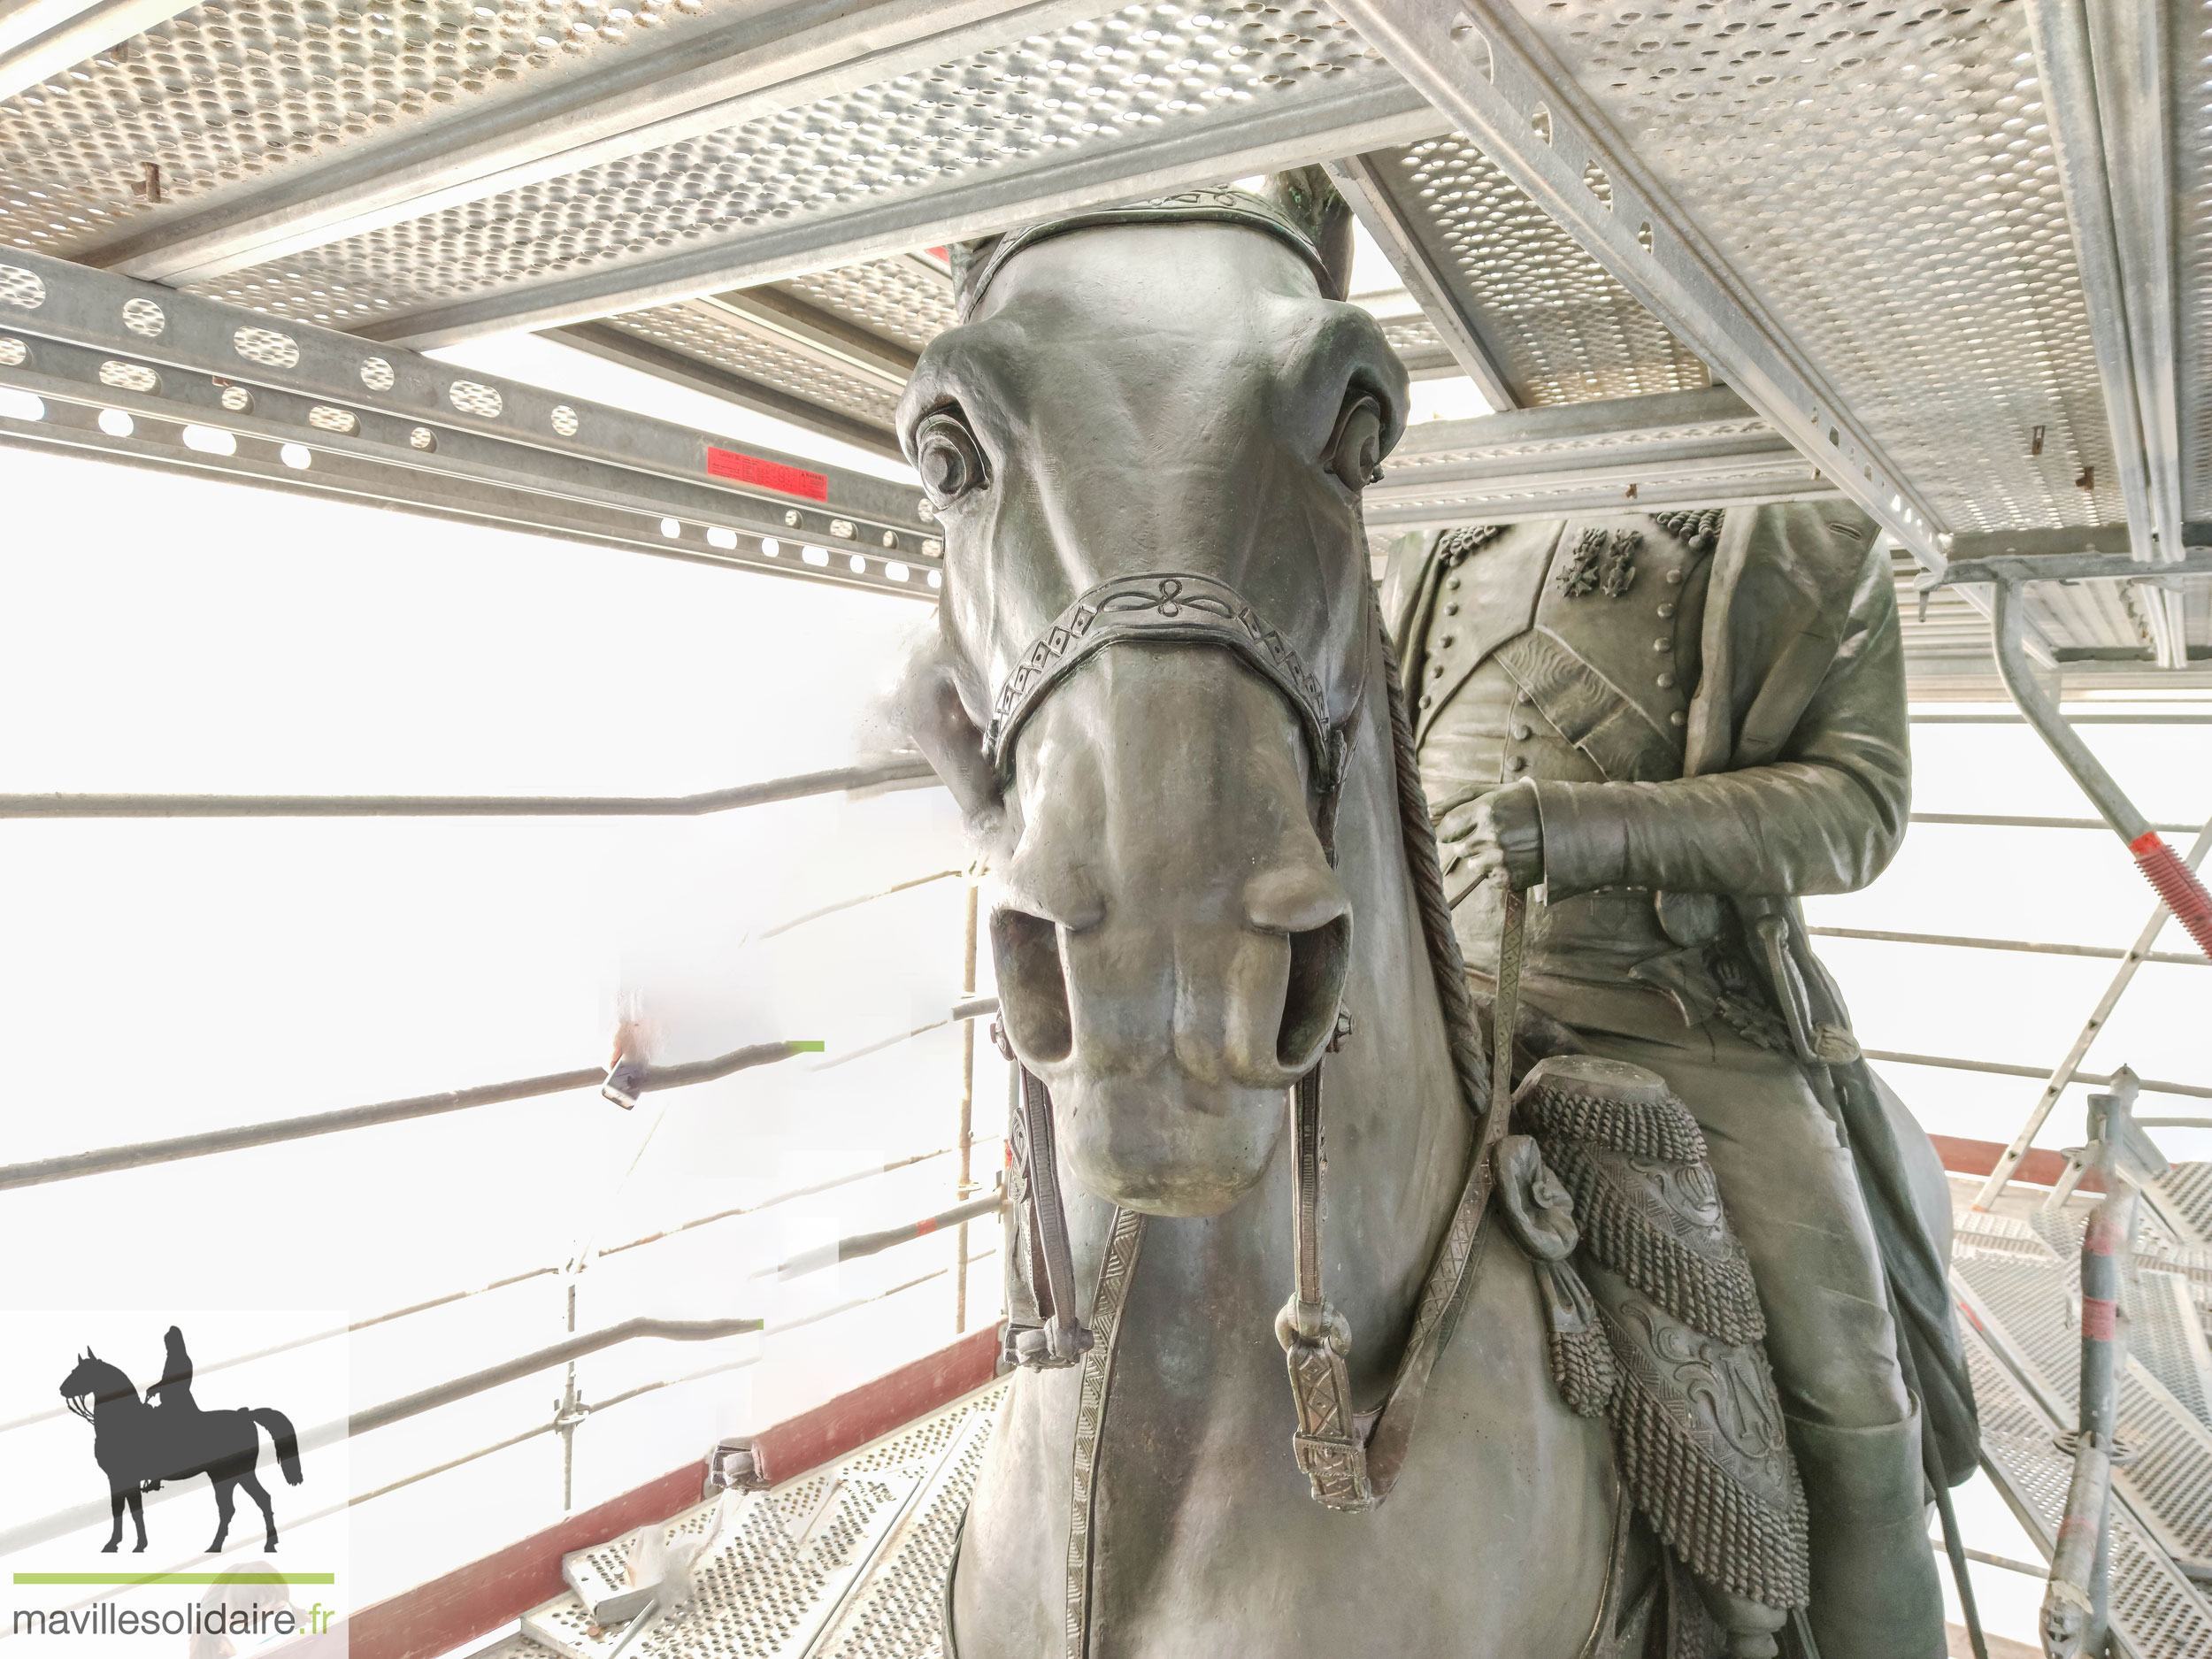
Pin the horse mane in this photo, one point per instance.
(1310, 199)
(111, 1382)
(1304, 195)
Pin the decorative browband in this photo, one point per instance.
(1164, 607)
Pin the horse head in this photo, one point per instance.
(1146, 442)
(93, 1384)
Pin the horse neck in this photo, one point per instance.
(1396, 1135)
(120, 1405)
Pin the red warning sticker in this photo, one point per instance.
(750, 469)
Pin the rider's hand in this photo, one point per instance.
(1496, 835)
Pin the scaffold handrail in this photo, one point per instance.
(2109, 953)
(2067, 1070)
(872, 774)
(138, 1155)
(2005, 820)
(2149, 1085)
(108, 1160)
(562, 1353)
(508, 1281)
(62, 1522)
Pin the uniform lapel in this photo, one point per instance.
(1499, 588)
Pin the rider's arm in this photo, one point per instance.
(1825, 816)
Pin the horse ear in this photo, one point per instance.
(1308, 198)
(921, 709)
(967, 258)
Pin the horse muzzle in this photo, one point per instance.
(1169, 972)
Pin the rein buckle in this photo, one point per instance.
(1053, 1346)
(1329, 1445)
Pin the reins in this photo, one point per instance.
(1352, 1459)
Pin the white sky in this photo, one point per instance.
(184, 634)
(179, 975)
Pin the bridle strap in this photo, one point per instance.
(1352, 1459)
(1116, 1265)
(1059, 1337)
(1356, 1470)
(1166, 607)
(1329, 1444)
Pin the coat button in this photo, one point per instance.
(1452, 609)
(1521, 733)
(1663, 645)
(1666, 682)
(1451, 581)
(1666, 610)
(1515, 763)
(1678, 718)
(1674, 576)
(1436, 670)
(1523, 696)
(1445, 644)
(1427, 701)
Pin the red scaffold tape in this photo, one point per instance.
(2177, 885)
(751, 469)
(2097, 1319)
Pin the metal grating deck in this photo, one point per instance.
(1874, 192)
(907, 299)
(1089, 85)
(2192, 52)
(847, 1562)
(2021, 1329)
(234, 94)
(2157, 1613)
(702, 337)
(1560, 329)
(1883, 178)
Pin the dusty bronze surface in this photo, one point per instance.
(1158, 688)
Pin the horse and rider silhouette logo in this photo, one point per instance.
(141, 1443)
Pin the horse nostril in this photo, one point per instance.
(1033, 987)
(1319, 959)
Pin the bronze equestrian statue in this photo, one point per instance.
(1160, 686)
(1675, 723)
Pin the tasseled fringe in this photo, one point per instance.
(1661, 1129)
(1700, 526)
(1714, 1294)
(1454, 545)
(1582, 1367)
(1724, 1535)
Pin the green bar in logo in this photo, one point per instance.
(176, 1578)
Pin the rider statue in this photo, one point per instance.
(1670, 725)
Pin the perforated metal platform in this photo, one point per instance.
(847, 1562)
(2020, 1298)
(1951, 260)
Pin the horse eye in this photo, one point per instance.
(1355, 453)
(946, 455)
